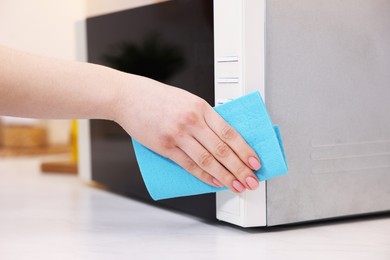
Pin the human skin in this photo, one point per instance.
(168, 120)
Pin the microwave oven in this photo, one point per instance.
(321, 68)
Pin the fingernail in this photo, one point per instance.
(252, 183)
(238, 186)
(217, 183)
(254, 163)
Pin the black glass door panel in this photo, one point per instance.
(171, 42)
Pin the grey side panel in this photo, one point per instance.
(328, 87)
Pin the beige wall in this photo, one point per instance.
(56, 29)
(97, 7)
(42, 26)
(45, 27)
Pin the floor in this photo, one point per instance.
(44, 216)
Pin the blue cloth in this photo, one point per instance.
(248, 115)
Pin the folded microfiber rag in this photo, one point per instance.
(248, 115)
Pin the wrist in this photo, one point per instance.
(130, 95)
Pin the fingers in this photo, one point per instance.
(206, 162)
(216, 153)
(232, 138)
(205, 145)
(225, 156)
(182, 159)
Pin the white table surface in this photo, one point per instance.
(59, 217)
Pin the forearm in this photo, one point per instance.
(40, 87)
(170, 121)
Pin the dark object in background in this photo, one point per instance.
(152, 58)
(179, 34)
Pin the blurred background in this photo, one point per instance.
(55, 29)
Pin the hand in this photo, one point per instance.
(168, 120)
(184, 128)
